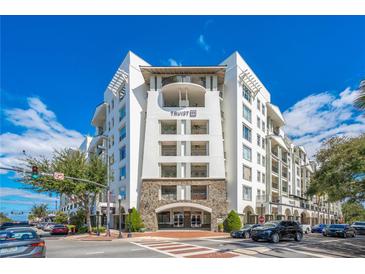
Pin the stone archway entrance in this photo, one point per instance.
(288, 215)
(184, 216)
(296, 215)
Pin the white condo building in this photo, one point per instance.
(188, 144)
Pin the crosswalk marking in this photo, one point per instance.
(183, 250)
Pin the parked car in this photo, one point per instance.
(14, 224)
(276, 230)
(41, 225)
(244, 232)
(21, 243)
(318, 228)
(48, 226)
(359, 227)
(59, 229)
(339, 230)
(306, 228)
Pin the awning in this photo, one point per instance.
(275, 114)
(280, 141)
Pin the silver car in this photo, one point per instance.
(21, 243)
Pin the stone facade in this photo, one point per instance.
(150, 200)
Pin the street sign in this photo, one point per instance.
(59, 176)
(261, 219)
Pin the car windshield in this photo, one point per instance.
(337, 226)
(271, 224)
(359, 223)
(18, 235)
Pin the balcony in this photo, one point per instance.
(184, 79)
(168, 149)
(275, 151)
(168, 127)
(199, 148)
(275, 166)
(199, 126)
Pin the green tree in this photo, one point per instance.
(341, 170)
(72, 163)
(134, 221)
(38, 212)
(61, 217)
(232, 222)
(4, 218)
(353, 211)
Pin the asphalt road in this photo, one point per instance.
(312, 246)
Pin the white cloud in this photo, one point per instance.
(40, 133)
(174, 63)
(36, 197)
(320, 116)
(202, 43)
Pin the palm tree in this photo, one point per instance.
(39, 211)
(360, 100)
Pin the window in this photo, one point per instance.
(123, 153)
(123, 173)
(259, 158)
(258, 192)
(258, 104)
(199, 192)
(263, 126)
(122, 113)
(199, 170)
(258, 122)
(247, 133)
(247, 153)
(263, 178)
(246, 113)
(263, 109)
(258, 176)
(263, 160)
(168, 192)
(246, 93)
(199, 126)
(163, 217)
(168, 127)
(123, 133)
(112, 104)
(258, 140)
(247, 193)
(247, 173)
(168, 170)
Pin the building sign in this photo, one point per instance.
(184, 113)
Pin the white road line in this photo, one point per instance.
(305, 253)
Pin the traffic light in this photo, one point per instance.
(35, 173)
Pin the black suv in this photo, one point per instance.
(276, 230)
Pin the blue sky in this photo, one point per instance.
(54, 71)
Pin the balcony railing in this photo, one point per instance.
(275, 185)
(275, 169)
(184, 79)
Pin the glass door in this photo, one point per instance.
(178, 219)
(196, 220)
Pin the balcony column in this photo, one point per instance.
(178, 148)
(188, 170)
(187, 127)
(188, 148)
(280, 173)
(268, 169)
(178, 170)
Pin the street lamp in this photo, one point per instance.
(129, 223)
(120, 216)
(97, 223)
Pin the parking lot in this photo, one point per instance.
(312, 246)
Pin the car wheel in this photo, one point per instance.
(324, 234)
(298, 236)
(246, 235)
(254, 239)
(353, 235)
(275, 238)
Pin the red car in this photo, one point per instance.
(59, 229)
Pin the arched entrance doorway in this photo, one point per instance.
(183, 216)
(288, 215)
(304, 218)
(249, 216)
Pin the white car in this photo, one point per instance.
(306, 228)
(48, 227)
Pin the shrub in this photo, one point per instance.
(232, 222)
(78, 219)
(220, 227)
(134, 221)
(101, 229)
(82, 229)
